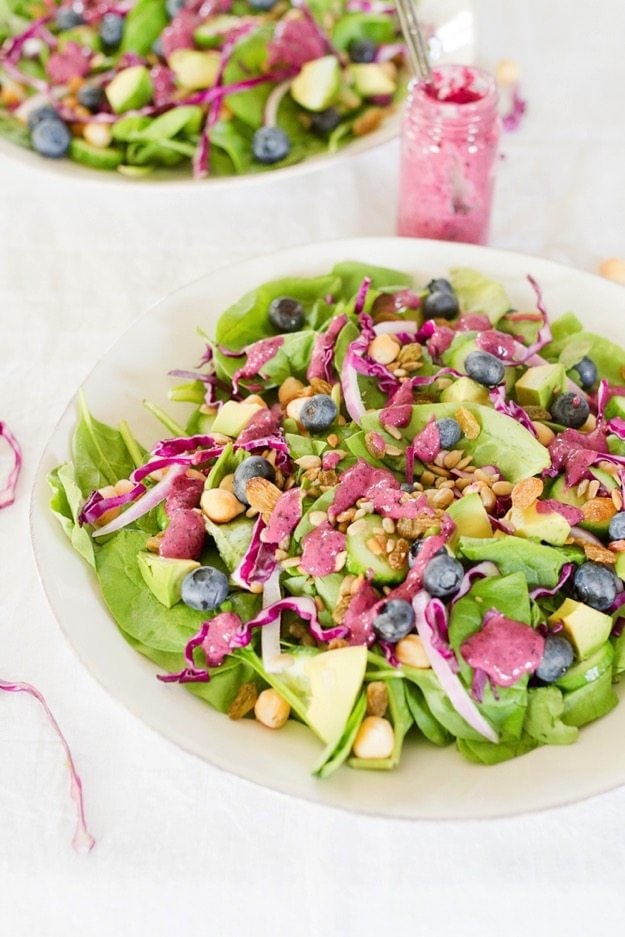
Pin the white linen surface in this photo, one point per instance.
(182, 848)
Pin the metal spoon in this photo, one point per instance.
(415, 42)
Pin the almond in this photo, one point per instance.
(262, 495)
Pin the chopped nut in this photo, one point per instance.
(271, 709)
(289, 390)
(413, 527)
(262, 494)
(618, 546)
(410, 651)
(244, 701)
(294, 408)
(526, 492)
(374, 546)
(308, 461)
(502, 489)
(220, 506)
(317, 517)
(388, 525)
(544, 435)
(227, 483)
(617, 499)
(394, 432)
(384, 348)
(98, 135)
(468, 424)
(582, 487)
(377, 698)
(410, 354)
(393, 451)
(153, 543)
(441, 498)
(375, 738)
(333, 440)
(336, 643)
(339, 561)
(319, 386)
(593, 488)
(397, 559)
(596, 552)
(487, 497)
(452, 458)
(368, 121)
(375, 445)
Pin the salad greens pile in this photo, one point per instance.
(391, 509)
(225, 86)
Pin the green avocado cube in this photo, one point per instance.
(164, 575)
(233, 417)
(469, 515)
(371, 79)
(465, 390)
(195, 70)
(538, 385)
(317, 83)
(551, 527)
(587, 628)
(130, 89)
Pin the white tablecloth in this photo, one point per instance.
(181, 847)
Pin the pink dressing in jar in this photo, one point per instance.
(449, 151)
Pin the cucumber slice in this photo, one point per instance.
(586, 671)
(361, 559)
(97, 157)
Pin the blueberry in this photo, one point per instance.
(262, 5)
(362, 51)
(394, 620)
(484, 368)
(253, 467)
(51, 138)
(111, 30)
(616, 530)
(440, 285)
(416, 548)
(595, 585)
(286, 314)
(557, 658)
(440, 304)
(174, 7)
(205, 588)
(92, 97)
(318, 413)
(449, 432)
(587, 372)
(570, 409)
(42, 113)
(325, 122)
(68, 18)
(442, 576)
(270, 145)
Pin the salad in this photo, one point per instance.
(391, 509)
(223, 86)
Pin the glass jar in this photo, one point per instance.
(449, 152)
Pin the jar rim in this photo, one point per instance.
(468, 109)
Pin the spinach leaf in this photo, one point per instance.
(589, 702)
(247, 320)
(429, 726)
(143, 25)
(477, 293)
(13, 131)
(375, 27)
(231, 540)
(66, 502)
(543, 720)
(562, 329)
(235, 138)
(291, 359)
(352, 273)
(539, 564)
(99, 453)
(247, 60)
(502, 441)
(485, 753)
(439, 704)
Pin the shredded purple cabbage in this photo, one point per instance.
(513, 119)
(565, 575)
(482, 571)
(82, 841)
(258, 561)
(7, 491)
(321, 360)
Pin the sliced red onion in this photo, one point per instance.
(270, 635)
(450, 682)
(96, 504)
(580, 534)
(82, 841)
(349, 385)
(484, 570)
(602, 399)
(305, 608)
(7, 492)
(565, 574)
(388, 51)
(478, 684)
(436, 617)
(389, 652)
(150, 500)
(617, 426)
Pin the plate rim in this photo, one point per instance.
(38, 514)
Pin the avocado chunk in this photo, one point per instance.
(586, 671)
(590, 701)
(537, 386)
(317, 83)
(130, 89)
(233, 417)
(195, 70)
(619, 567)
(98, 157)
(615, 407)
(371, 79)
(587, 628)
(550, 527)
(470, 517)
(361, 558)
(465, 390)
(211, 34)
(163, 576)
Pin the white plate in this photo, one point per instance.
(453, 41)
(430, 783)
